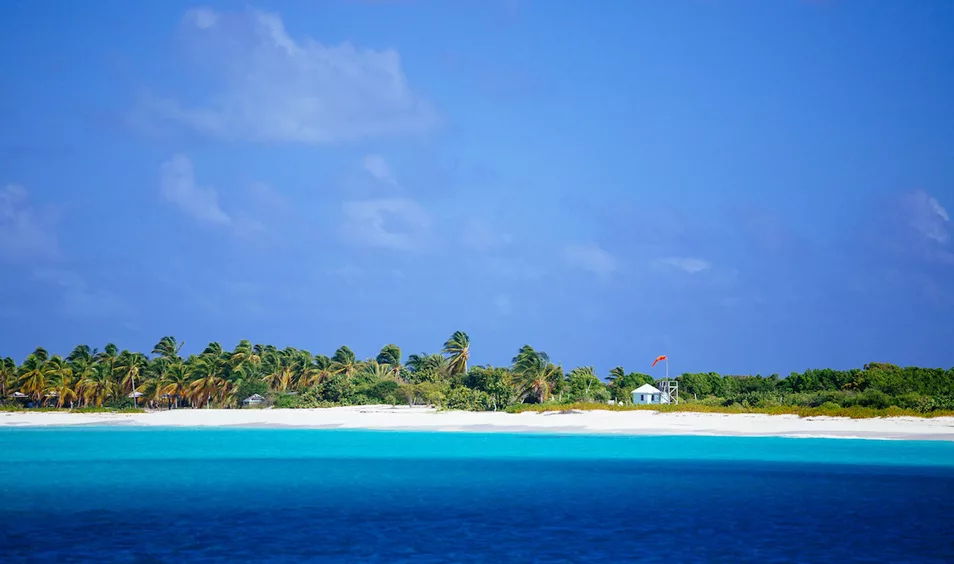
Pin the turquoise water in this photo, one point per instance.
(277, 495)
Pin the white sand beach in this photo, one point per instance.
(591, 422)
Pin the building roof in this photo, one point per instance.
(646, 389)
(254, 397)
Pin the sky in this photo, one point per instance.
(744, 186)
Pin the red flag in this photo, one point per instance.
(658, 358)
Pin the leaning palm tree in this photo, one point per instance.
(96, 385)
(35, 373)
(345, 362)
(535, 375)
(280, 377)
(168, 348)
(208, 371)
(8, 374)
(128, 367)
(245, 353)
(82, 353)
(306, 372)
(175, 382)
(617, 374)
(62, 386)
(457, 349)
(415, 362)
(390, 356)
(107, 357)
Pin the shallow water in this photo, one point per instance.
(275, 495)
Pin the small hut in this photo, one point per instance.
(253, 399)
(647, 395)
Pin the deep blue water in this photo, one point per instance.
(269, 495)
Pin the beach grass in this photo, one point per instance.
(20, 408)
(853, 412)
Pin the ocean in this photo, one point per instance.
(124, 494)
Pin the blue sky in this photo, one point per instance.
(748, 187)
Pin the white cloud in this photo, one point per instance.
(686, 264)
(926, 215)
(177, 185)
(202, 18)
(378, 168)
(392, 223)
(23, 234)
(270, 87)
(590, 257)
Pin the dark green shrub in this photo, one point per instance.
(875, 399)
(467, 399)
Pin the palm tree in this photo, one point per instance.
(108, 358)
(457, 349)
(325, 368)
(536, 376)
(35, 373)
(344, 362)
(208, 370)
(175, 382)
(168, 348)
(96, 385)
(8, 371)
(128, 366)
(245, 353)
(279, 373)
(63, 385)
(390, 355)
(617, 374)
(82, 353)
(415, 362)
(372, 370)
(306, 372)
(427, 367)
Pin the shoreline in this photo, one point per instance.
(402, 418)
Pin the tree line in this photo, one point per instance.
(292, 377)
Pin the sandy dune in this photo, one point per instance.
(596, 422)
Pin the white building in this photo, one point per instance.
(253, 399)
(647, 394)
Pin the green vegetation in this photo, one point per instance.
(114, 380)
(826, 410)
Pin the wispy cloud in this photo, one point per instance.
(177, 186)
(378, 168)
(24, 234)
(915, 227)
(926, 216)
(688, 265)
(391, 223)
(591, 257)
(271, 87)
